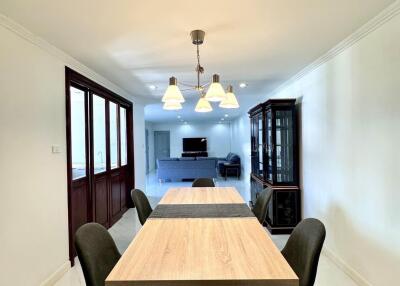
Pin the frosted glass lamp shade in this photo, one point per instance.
(215, 92)
(230, 101)
(203, 105)
(173, 93)
(172, 106)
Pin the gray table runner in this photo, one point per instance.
(201, 211)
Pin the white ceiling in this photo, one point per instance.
(138, 43)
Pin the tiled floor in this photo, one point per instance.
(126, 228)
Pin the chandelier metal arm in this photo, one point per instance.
(194, 86)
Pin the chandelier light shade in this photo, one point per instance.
(203, 105)
(173, 93)
(215, 91)
(172, 105)
(230, 101)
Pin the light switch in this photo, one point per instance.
(55, 149)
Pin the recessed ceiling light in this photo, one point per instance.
(222, 119)
(243, 85)
(226, 115)
(152, 87)
(179, 117)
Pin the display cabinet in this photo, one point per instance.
(274, 161)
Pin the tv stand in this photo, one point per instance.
(195, 154)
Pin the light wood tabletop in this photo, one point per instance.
(202, 251)
(219, 195)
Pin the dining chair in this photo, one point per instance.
(261, 205)
(142, 205)
(97, 253)
(303, 249)
(203, 182)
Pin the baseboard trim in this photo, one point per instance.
(347, 269)
(53, 278)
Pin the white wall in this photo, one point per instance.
(240, 142)
(218, 136)
(350, 149)
(139, 146)
(33, 204)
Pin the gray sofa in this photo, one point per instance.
(176, 169)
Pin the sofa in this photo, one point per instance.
(176, 169)
(232, 158)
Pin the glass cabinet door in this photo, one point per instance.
(257, 147)
(284, 146)
(260, 145)
(269, 146)
(254, 161)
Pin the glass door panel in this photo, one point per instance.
(99, 134)
(254, 144)
(113, 135)
(269, 173)
(284, 146)
(260, 146)
(123, 135)
(78, 132)
(254, 160)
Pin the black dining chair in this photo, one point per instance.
(303, 249)
(142, 205)
(261, 205)
(97, 253)
(203, 182)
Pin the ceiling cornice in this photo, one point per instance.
(68, 60)
(373, 24)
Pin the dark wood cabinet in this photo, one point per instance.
(274, 161)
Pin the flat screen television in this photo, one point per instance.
(194, 144)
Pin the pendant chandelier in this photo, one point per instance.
(173, 97)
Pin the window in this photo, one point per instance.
(123, 135)
(78, 133)
(113, 135)
(99, 134)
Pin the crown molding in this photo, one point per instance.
(68, 60)
(373, 24)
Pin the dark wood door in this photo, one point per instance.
(78, 163)
(99, 154)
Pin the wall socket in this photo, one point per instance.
(55, 149)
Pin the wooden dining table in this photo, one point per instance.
(202, 251)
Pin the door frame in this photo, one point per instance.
(73, 78)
